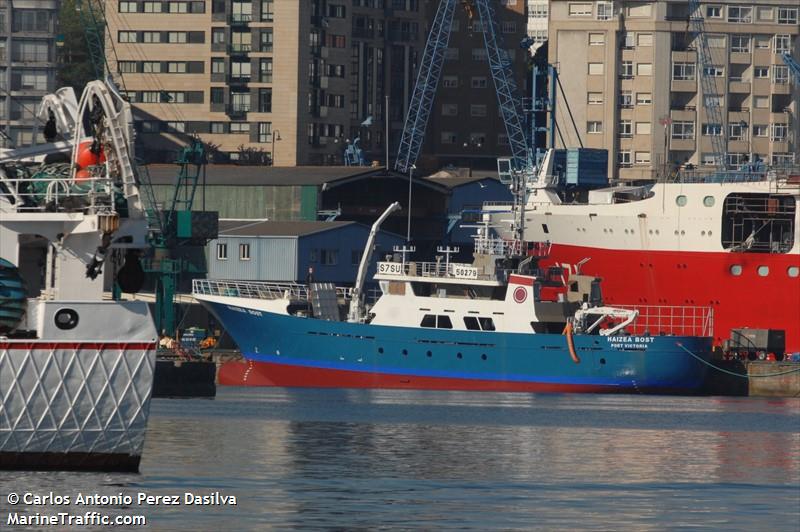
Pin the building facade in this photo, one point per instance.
(466, 128)
(27, 66)
(631, 76)
(262, 79)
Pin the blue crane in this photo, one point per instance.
(430, 72)
(708, 83)
(794, 66)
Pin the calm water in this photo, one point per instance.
(325, 459)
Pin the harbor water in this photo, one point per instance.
(363, 459)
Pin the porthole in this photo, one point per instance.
(380, 350)
(680, 201)
(405, 352)
(459, 355)
(702, 233)
(483, 356)
(429, 354)
(658, 232)
(66, 319)
(708, 201)
(763, 271)
(793, 271)
(736, 269)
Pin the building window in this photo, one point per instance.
(766, 13)
(711, 130)
(642, 157)
(643, 128)
(737, 159)
(450, 82)
(782, 159)
(605, 10)
(740, 14)
(329, 257)
(240, 127)
(580, 9)
(508, 26)
(762, 42)
(740, 43)
(595, 98)
(713, 11)
(217, 127)
(625, 129)
(683, 71)
(708, 159)
(152, 7)
(644, 69)
(448, 137)
(787, 15)
(760, 130)
(176, 127)
(715, 100)
(624, 159)
(128, 7)
(779, 132)
(244, 251)
(126, 67)
(760, 72)
(644, 98)
(449, 109)
(217, 35)
(595, 69)
(126, 36)
(222, 251)
(626, 70)
(782, 43)
(683, 130)
(737, 131)
(780, 74)
(217, 65)
(178, 7)
(629, 40)
(151, 67)
(265, 70)
(479, 54)
(597, 39)
(267, 10)
(264, 132)
(713, 71)
(176, 67)
(594, 127)
(266, 43)
(478, 82)
(478, 110)
(265, 100)
(625, 99)
(761, 102)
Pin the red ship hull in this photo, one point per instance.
(253, 373)
(770, 301)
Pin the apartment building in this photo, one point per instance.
(286, 81)
(27, 66)
(466, 128)
(631, 77)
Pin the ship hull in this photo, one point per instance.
(74, 405)
(284, 350)
(698, 278)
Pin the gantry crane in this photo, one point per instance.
(430, 72)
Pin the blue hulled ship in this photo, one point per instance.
(498, 324)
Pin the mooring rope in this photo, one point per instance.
(723, 370)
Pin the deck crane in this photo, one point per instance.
(794, 66)
(708, 83)
(430, 72)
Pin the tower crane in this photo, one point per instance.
(794, 66)
(708, 83)
(430, 72)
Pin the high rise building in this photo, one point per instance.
(27, 66)
(466, 128)
(290, 80)
(631, 77)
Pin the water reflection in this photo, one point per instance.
(359, 459)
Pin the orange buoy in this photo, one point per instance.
(86, 157)
(80, 175)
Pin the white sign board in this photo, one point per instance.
(390, 268)
(463, 271)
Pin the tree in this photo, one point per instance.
(75, 67)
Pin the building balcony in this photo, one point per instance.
(240, 48)
(741, 58)
(239, 80)
(781, 88)
(683, 85)
(739, 146)
(739, 87)
(682, 144)
(237, 110)
(241, 19)
(683, 114)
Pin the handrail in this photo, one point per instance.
(256, 289)
(45, 193)
(680, 320)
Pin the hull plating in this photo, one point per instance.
(291, 351)
(770, 301)
(74, 405)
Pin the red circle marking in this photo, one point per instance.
(520, 294)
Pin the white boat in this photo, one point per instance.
(76, 370)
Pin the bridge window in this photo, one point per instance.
(471, 322)
(432, 321)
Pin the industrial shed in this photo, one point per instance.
(257, 250)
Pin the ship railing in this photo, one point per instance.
(447, 270)
(678, 320)
(257, 289)
(36, 194)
